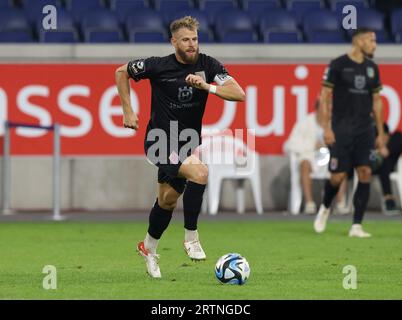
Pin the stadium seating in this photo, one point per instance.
(235, 26)
(301, 7)
(122, 8)
(79, 8)
(322, 26)
(5, 3)
(167, 8)
(273, 21)
(65, 36)
(282, 36)
(396, 21)
(338, 5)
(14, 26)
(101, 26)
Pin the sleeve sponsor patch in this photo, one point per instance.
(221, 78)
(136, 67)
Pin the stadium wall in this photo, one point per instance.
(122, 179)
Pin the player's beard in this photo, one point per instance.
(190, 60)
(368, 55)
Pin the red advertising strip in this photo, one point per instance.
(83, 99)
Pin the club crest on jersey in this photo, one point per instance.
(370, 72)
(185, 94)
(360, 82)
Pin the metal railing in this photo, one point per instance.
(6, 164)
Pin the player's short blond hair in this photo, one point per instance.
(186, 22)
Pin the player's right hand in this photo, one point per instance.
(130, 121)
(329, 137)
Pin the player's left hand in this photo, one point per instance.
(197, 82)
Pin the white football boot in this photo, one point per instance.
(151, 260)
(320, 221)
(194, 250)
(357, 231)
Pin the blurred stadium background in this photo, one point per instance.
(276, 49)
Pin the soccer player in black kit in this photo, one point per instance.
(180, 85)
(353, 83)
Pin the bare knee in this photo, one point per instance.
(364, 174)
(167, 201)
(305, 166)
(337, 178)
(200, 174)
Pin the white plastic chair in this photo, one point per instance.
(396, 176)
(319, 172)
(228, 157)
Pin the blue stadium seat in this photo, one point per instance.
(200, 16)
(65, 36)
(78, 8)
(205, 36)
(301, 7)
(282, 36)
(13, 19)
(398, 37)
(6, 3)
(277, 19)
(212, 7)
(335, 36)
(65, 24)
(258, 8)
(239, 36)
(233, 21)
(372, 19)
(396, 21)
(16, 35)
(109, 36)
(252, 6)
(147, 36)
(321, 20)
(28, 4)
(101, 26)
(167, 8)
(338, 5)
(100, 19)
(34, 10)
(145, 25)
(124, 7)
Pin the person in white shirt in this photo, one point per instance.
(304, 141)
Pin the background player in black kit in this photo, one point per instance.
(352, 82)
(180, 85)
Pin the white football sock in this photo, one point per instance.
(190, 235)
(150, 243)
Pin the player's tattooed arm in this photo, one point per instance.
(230, 90)
(130, 119)
(325, 110)
(377, 110)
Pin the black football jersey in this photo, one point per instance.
(353, 87)
(172, 98)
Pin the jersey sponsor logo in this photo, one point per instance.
(201, 74)
(370, 72)
(185, 94)
(360, 82)
(137, 66)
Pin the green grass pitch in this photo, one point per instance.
(287, 259)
